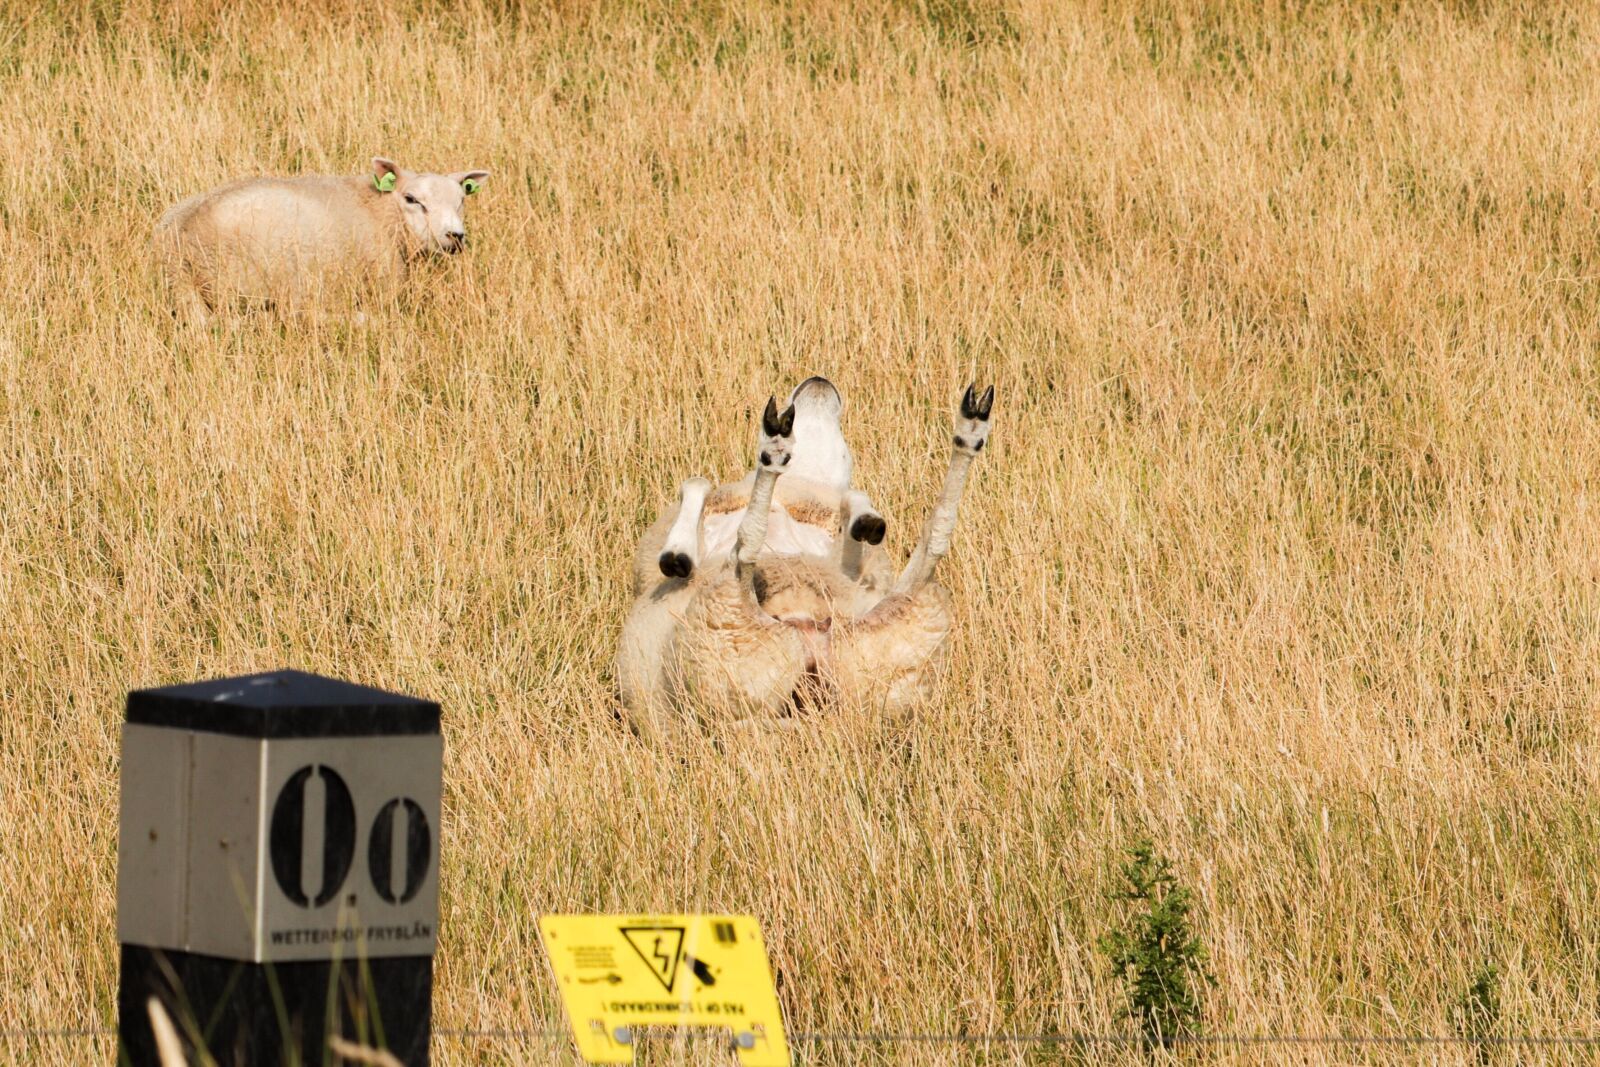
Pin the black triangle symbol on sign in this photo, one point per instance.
(660, 947)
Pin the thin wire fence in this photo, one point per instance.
(1047, 1037)
(1191, 1039)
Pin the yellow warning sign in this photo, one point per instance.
(618, 973)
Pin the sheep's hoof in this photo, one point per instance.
(868, 528)
(676, 564)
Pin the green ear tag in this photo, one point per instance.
(384, 184)
(470, 185)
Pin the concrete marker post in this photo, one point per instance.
(278, 868)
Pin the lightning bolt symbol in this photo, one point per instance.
(666, 961)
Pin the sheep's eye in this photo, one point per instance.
(410, 199)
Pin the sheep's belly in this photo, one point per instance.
(785, 536)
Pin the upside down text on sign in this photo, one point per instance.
(618, 973)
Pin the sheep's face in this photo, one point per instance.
(820, 450)
(430, 204)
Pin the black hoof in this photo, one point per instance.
(975, 406)
(868, 528)
(676, 565)
(776, 424)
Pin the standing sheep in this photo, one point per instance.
(287, 242)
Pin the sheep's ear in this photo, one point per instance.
(385, 172)
(469, 180)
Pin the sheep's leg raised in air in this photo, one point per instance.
(682, 550)
(773, 455)
(862, 525)
(971, 431)
(734, 656)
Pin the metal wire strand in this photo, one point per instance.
(1051, 1038)
(869, 1037)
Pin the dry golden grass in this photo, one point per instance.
(1286, 552)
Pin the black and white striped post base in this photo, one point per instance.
(278, 869)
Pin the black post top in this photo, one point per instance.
(283, 704)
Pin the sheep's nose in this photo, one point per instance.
(456, 240)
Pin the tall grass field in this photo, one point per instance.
(1285, 554)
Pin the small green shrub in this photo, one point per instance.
(1477, 1012)
(1157, 955)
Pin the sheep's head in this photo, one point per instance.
(430, 204)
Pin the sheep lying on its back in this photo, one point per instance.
(290, 241)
